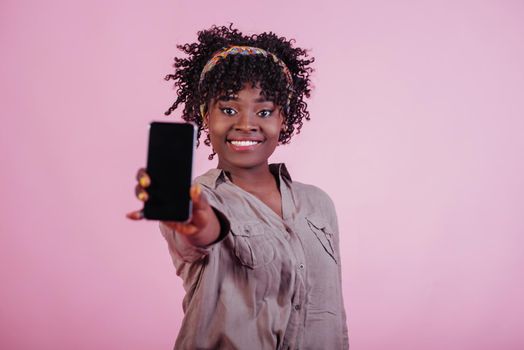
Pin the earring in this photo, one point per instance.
(203, 111)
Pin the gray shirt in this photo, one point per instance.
(269, 282)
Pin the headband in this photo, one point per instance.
(244, 51)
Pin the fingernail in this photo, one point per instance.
(135, 215)
(198, 190)
(143, 196)
(144, 181)
(187, 229)
(195, 191)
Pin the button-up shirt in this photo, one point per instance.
(270, 282)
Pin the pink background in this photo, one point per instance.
(417, 133)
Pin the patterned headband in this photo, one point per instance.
(244, 51)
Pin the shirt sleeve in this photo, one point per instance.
(333, 221)
(181, 250)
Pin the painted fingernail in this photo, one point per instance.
(187, 229)
(195, 191)
(198, 190)
(144, 181)
(143, 196)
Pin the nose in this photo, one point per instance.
(246, 122)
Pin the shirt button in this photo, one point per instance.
(301, 266)
(297, 307)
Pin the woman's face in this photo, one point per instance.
(244, 128)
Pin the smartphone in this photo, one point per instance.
(170, 167)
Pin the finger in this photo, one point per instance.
(186, 229)
(140, 172)
(135, 215)
(182, 228)
(197, 197)
(143, 178)
(141, 194)
(194, 193)
(201, 209)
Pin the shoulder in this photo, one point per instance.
(310, 191)
(208, 183)
(209, 178)
(312, 194)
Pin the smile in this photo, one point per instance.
(244, 143)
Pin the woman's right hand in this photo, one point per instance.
(202, 219)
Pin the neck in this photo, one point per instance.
(256, 177)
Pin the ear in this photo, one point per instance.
(204, 115)
(283, 126)
(283, 129)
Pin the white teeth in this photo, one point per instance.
(244, 143)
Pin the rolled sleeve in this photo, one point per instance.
(182, 250)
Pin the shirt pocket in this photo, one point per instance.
(323, 234)
(252, 244)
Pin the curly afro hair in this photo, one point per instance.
(233, 72)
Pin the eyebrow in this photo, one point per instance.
(226, 98)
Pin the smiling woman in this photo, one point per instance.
(244, 129)
(260, 255)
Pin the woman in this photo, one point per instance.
(260, 256)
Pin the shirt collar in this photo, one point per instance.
(214, 177)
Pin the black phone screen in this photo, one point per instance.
(170, 167)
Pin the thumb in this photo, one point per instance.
(198, 198)
(201, 209)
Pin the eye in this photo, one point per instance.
(265, 113)
(228, 111)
